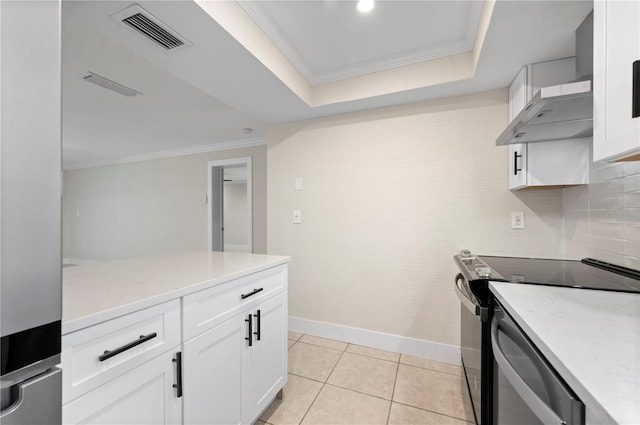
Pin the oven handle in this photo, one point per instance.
(537, 406)
(467, 303)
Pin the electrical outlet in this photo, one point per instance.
(517, 220)
(297, 216)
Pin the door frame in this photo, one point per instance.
(229, 163)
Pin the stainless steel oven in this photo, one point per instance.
(526, 390)
(472, 287)
(474, 319)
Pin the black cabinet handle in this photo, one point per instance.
(515, 163)
(635, 112)
(110, 353)
(255, 291)
(257, 334)
(178, 385)
(250, 337)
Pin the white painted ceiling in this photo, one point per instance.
(332, 40)
(206, 94)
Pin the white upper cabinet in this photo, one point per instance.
(545, 164)
(616, 132)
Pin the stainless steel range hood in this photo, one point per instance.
(559, 112)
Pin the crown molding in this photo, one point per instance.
(234, 144)
(257, 13)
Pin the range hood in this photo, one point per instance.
(559, 112)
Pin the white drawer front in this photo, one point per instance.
(205, 309)
(81, 350)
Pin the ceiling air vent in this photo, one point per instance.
(151, 27)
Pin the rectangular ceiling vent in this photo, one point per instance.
(151, 27)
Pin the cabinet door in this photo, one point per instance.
(212, 371)
(517, 166)
(616, 48)
(266, 360)
(144, 395)
(519, 93)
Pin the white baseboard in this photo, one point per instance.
(382, 341)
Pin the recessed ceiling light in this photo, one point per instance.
(365, 6)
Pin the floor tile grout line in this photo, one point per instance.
(373, 357)
(432, 370)
(358, 392)
(393, 392)
(324, 384)
(370, 357)
(431, 411)
(321, 346)
(324, 346)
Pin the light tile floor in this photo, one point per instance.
(332, 382)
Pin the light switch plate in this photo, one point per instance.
(298, 183)
(297, 216)
(517, 220)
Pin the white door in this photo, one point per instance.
(266, 360)
(143, 396)
(212, 371)
(217, 209)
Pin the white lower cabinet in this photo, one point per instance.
(212, 367)
(215, 356)
(144, 395)
(265, 361)
(233, 371)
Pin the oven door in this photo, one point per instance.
(526, 390)
(473, 318)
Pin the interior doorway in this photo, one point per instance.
(229, 208)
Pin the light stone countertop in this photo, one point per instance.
(97, 292)
(592, 338)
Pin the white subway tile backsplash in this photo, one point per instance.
(633, 263)
(616, 246)
(631, 168)
(616, 201)
(632, 232)
(607, 172)
(632, 200)
(632, 249)
(610, 228)
(607, 188)
(632, 215)
(607, 215)
(632, 183)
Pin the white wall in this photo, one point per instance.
(149, 207)
(389, 197)
(235, 216)
(602, 220)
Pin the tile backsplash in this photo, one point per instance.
(602, 220)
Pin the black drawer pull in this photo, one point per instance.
(250, 337)
(178, 385)
(110, 353)
(255, 291)
(257, 316)
(515, 163)
(635, 108)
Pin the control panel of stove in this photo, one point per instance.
(474, 265)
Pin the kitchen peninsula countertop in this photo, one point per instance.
(592, 338)
(97, 292)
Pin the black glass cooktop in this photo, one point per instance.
(588, 273)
